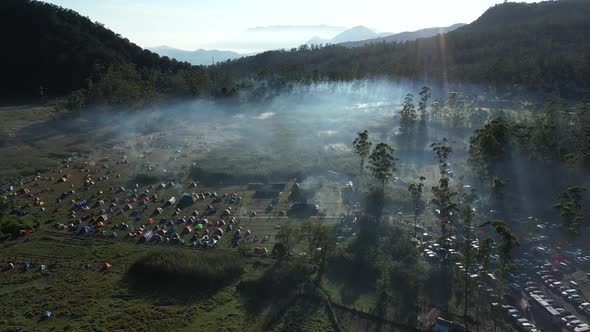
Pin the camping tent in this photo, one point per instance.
(171, 200)
(187, 200)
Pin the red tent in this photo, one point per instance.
(558, 257)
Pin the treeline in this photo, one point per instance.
(51, 51)
(541, 47)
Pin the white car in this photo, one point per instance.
(528, 327)
(573, 324)
(567, 319)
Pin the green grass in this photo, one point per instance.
(304, 315)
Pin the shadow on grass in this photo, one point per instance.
(177, 277)
(353, 278)
(272, 284)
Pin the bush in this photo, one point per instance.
(144, 179)
(203, 271)
(11, 225)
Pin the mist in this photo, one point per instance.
(265, 135)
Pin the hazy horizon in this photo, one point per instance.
(262, 24)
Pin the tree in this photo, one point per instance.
(416, 190)
(320, 240)
(382, 163)
(422, 104)
(570, 208)
(507, 241)
(408, 116)
(287, 238)
(483, 253)
(437, 107)
(489, 146)
(408, 109)
(443, 200)
(362, 148)
(468, 215)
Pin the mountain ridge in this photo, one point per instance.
(405, 36)
(197, 57)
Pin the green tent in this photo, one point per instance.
(199, 226)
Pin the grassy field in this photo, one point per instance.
(115, 158)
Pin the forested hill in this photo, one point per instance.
(52, 51)
(540, 46)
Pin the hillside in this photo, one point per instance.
(404, 36)
(198, 57)
(64, 51)
(540, 46)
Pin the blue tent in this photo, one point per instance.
(86, 229)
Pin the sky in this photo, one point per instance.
(243, 25)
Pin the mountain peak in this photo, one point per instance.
(356, 33)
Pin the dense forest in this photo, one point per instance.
(64, 52)
(541, 47)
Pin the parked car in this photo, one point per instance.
(573, 324)
(582, 307)
(514, 314)
(567, 319)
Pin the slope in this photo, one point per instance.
(52, 51)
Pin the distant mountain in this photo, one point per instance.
(350, 35)
(404, 36)
(198, 57)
